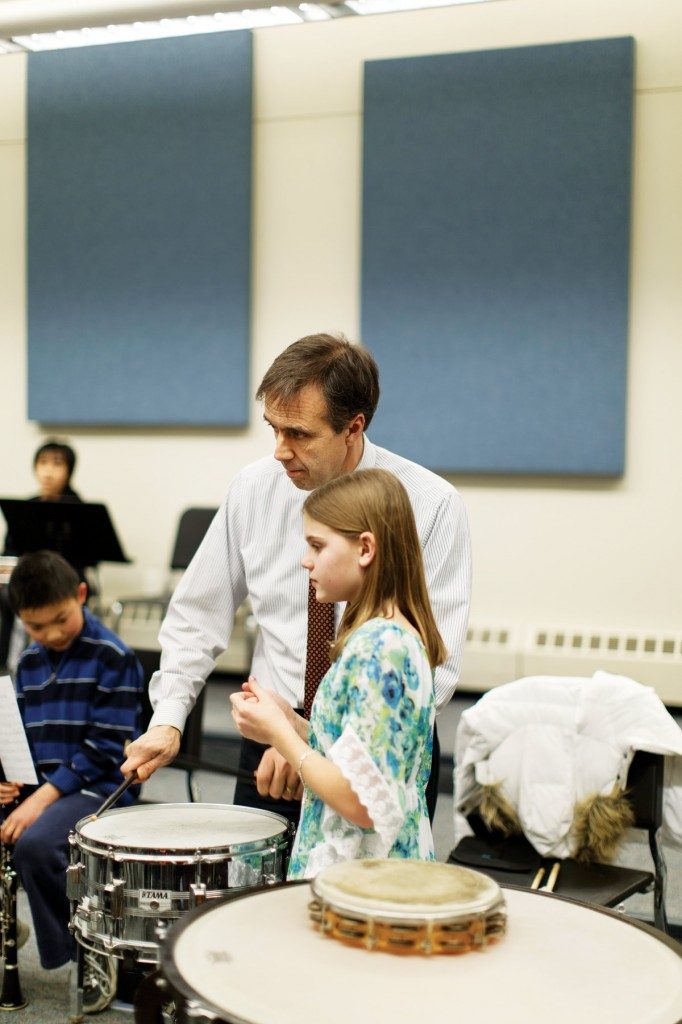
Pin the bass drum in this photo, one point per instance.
(258, 958)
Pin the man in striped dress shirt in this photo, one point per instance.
(79, 693)
(319, 397)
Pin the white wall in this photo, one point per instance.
(575, 552)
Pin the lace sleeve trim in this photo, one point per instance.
(350, 755)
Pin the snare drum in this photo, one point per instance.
(238, 959)
(408, 906)
(136, 868)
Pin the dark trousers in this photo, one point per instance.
(41, 857)
(247, 795)
(431, 793)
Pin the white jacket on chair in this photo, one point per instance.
(552, 741)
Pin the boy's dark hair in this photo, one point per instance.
(41, 578)
(346, 374)
(53, 444)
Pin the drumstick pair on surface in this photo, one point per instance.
(551, 881)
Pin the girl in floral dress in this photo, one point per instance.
(365, 756)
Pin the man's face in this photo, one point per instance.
(309, 450)
(56, 625)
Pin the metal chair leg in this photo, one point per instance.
(660, 882)
(193, 789)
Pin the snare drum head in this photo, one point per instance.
(406, 888)
(181, 827)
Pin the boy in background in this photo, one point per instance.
(79, 693)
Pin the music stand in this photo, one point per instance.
(83, 533)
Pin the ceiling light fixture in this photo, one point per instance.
(39, 25)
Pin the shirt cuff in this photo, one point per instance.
(169, 712)
(65, 780)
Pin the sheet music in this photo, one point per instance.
(15, 755)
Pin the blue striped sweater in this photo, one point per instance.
(79, 711)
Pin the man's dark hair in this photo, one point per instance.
(41, 578)
(53, 444)
(346, 374)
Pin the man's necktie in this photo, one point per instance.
(320, 636)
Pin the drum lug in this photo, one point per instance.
(113, 903)
(74, 878)
(195, 1011)
(271, 866)
(197, 894)
(316, 911)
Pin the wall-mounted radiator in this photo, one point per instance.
(496, 654)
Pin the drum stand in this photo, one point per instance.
(76, 1015)
(153, 1000)
(76, 984)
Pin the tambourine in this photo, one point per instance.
(408, 906)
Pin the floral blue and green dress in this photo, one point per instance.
(373, 717)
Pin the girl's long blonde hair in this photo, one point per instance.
(374, 501)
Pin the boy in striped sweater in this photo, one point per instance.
(79, 693)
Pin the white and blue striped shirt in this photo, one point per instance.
(254, 548)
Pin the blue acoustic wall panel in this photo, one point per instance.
(496, 213)
(139, 171)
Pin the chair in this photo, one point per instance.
(510, 858)
(606, 885)
(192, 527)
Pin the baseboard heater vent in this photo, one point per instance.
(626, 643)
(490, 636)
(497, 653)
(491, 656)
(651, 657)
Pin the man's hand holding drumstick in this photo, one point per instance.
(154, 749)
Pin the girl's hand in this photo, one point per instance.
(258, 714)
(9, 791)
(286, 707)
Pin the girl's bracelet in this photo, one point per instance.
(300, 764)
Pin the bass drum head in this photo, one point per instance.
(240, 961)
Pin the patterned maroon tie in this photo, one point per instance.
(320, 636)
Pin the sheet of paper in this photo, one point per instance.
(17, 763)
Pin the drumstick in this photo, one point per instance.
(538, 878)
(113, 797)
(549, 886)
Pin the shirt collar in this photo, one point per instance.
(369, 455)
